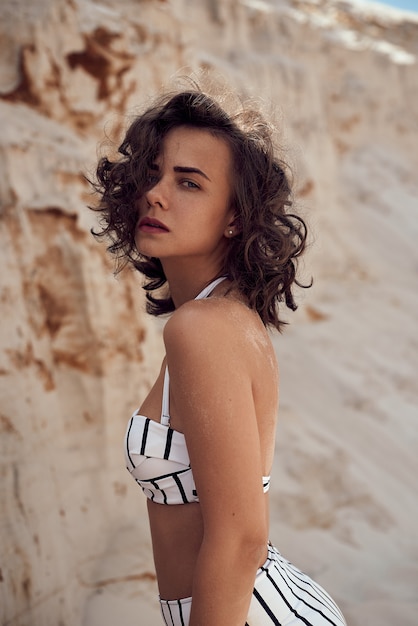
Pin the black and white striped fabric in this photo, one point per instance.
(282, 596)
(176, 611)
(157, 457)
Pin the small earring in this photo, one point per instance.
(230, 232)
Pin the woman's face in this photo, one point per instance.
(186, 212)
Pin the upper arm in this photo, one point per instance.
(211, 388)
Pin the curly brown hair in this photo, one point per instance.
(262, 258)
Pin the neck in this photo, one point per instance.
(186, 282)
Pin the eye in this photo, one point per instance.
(190, 184)
(152, 179)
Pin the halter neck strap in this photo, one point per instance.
(208, 290)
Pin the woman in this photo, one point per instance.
(198, 203)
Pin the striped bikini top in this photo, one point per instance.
(156, 454)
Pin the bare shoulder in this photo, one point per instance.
(214, 315)
(222, 324)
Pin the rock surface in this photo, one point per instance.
(78, 353)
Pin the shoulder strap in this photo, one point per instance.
(165, 405)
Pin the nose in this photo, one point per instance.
(156, 195)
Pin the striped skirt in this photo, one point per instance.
(282, 596)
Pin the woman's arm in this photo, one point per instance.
(211, 377)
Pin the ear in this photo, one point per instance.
(233, 228)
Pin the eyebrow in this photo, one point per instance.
(190, 170)
(183, 170)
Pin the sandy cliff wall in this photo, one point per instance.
(78, 353)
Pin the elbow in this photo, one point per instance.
(253, 535)
(255, 553)
(250, 550)
(241, 542)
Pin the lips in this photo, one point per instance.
(150, 224)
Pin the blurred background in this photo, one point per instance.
(78, 353)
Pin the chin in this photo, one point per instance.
(142, 247)
(148, 253)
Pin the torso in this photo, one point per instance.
(177, 530)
